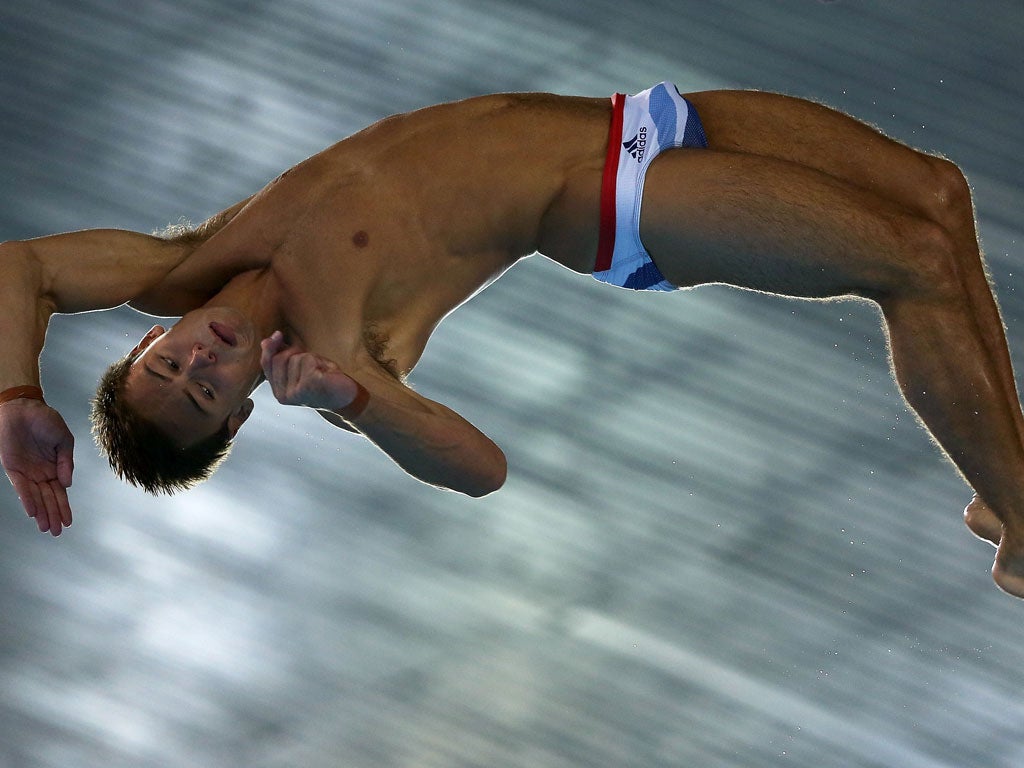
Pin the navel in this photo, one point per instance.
(360, 239)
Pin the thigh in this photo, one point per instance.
(774, 225)
(810, 134)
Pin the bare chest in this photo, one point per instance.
(353, 286)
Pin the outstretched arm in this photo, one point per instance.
(428, 440)
(74, 272)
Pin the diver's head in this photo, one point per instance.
(165, 415)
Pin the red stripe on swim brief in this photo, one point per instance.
(606, 236)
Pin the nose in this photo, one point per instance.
(202, 356)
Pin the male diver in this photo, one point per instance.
(329, 281)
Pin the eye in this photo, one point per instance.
(171, 364)
(206, 391)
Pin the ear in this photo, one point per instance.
(152, 335)
(238, 416)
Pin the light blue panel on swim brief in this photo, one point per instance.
(666, 116)
(693, 133)
(648, 278)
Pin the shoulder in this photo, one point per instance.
(199, 275)
(474, 109)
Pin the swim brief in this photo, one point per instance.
(642, 127)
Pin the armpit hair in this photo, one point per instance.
(376, 344)
(183, 232)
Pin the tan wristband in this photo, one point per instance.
(358, 404)
(29, 391)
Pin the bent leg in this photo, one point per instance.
(940, 366)
(929, 187)
(776, 225)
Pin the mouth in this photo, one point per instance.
(224, 333)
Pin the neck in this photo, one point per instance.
(255, 295)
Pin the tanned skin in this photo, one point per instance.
(333, 277)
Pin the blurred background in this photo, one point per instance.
(724, 541)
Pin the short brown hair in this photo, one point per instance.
(140, 452)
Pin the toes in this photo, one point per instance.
(1008, 581)
(1008, 570)
(983, 522)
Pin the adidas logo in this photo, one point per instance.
(637, 146)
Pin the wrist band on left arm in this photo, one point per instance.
(29, 391)
(358, 404)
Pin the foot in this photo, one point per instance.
(1008, 570)
(983, 522)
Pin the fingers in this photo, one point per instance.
(28, 492)
(46, 501)
(54, 491)
(56, 511)
(299, 366)
(65, 469)
(66, 461)
(282, 370)
(271, 346)
(283, 365)
(296, 376)
(60, 496)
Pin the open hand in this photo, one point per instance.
(298, 377)
(36, 450)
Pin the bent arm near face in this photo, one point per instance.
(428, 440)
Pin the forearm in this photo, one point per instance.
(24, 315)
(428, 440)
(433, 444)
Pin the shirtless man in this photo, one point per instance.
(329, 281)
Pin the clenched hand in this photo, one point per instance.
(298, 377)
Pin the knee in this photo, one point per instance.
(927, 268)
(948, 195)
